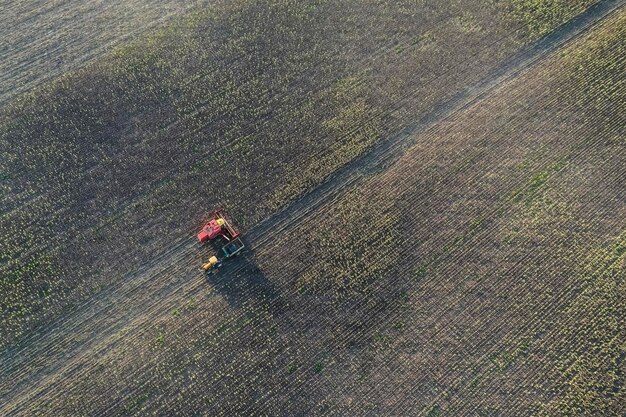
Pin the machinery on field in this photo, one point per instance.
(220, 226)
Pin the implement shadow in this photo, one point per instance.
(240, 281)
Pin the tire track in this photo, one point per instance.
(362, 167)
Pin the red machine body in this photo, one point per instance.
(218, 225)
(210, 231)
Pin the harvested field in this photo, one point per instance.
(189, 101)
(463, 255)
(41, 40)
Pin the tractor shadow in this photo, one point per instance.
(240, 281)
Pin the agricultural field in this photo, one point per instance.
(107, 161)
(433, 195)
(43, 39)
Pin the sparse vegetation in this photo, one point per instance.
(543, 16)
(475, 266)
(295, 111)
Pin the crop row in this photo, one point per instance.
(107, 164)
(471, 282)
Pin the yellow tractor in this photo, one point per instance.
(212, 265)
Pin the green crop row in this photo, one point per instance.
(405, 273)
(591, 370)
(245, 108)
(543, 16)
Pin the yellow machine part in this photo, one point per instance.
(220, 221)
(212, 262)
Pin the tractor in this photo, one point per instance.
(220, 226)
